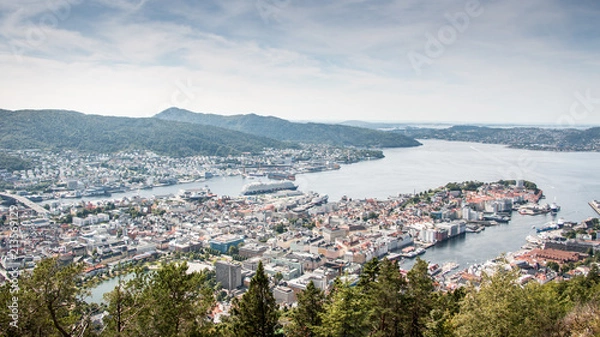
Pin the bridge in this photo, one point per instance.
(37, 208)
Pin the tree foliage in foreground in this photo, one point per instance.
(308, 314)
(385, 302)
(256, 315)
(50, 302)
(167, 302)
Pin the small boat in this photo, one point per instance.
(434, 269)
(548, 227)
(448, 267)
(554, 208)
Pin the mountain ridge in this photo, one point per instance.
(53, 129)
(284, 130)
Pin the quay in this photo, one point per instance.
(595, 204)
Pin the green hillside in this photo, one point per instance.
(69, 130)
(533, 138)
(283, 130)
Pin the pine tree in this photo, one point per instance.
(256, 315)
(369, 273)
(502, 307)
(420, 290)
(346, 313)
(125, 303)
(168, 302)
(49, 302)
(306, 318)
(387, 301)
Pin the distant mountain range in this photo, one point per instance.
(283, 130)
(533, 138)
(69, 130)
(176, 132)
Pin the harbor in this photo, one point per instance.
(365, 185)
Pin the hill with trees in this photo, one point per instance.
(69, 130)
(533, 138)
(283, 130)
(12, 163)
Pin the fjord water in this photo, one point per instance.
(571, 179)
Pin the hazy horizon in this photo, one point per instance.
(388, 123)
(456, 62)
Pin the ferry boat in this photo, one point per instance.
(268, 187)
(281, 176)
(319, 200)
(434, 269)
(554, 208)
(497, 218)
(411, 252)
(196, 194)
(35, 198)
(548, 227)
(534, 240)
(534, 209)
(448, 267)
(94, 192)
(71, 195)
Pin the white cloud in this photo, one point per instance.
(519, 62)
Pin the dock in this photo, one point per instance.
(595, 204)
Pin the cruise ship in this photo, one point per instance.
(268, 187)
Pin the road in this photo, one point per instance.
(39, 209)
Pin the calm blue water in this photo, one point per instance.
(570, 178)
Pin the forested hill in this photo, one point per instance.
(69, 130)
(284, 130)
(533, 138)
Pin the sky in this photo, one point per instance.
(522, 62)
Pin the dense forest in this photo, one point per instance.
(384, 302)
(68, 130)
(283, 130)
(12, 163)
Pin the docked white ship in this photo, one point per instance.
(197, 194)
(268, 187)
